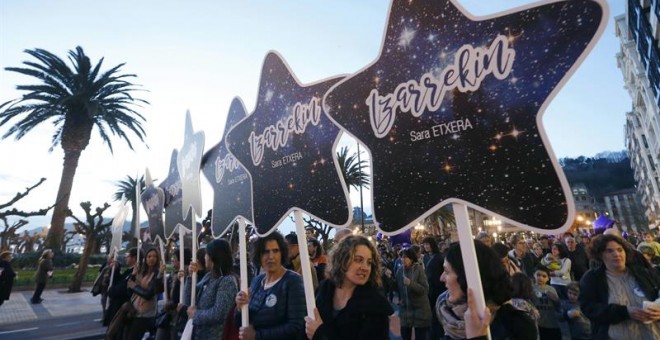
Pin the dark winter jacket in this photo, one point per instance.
(366, 315)
(594, 297)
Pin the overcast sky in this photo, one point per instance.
(199, 55)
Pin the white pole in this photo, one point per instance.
(469, 254)
(304, 264)
(181, 263)
(162, 256)
(193, 286)
(242, 245)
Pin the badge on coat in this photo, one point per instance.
(638, 292)
(271, 300)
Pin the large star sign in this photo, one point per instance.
(188, 164)
(451, 109)
(153, 201)
(287, 145)
(172, 188)
(232, 192)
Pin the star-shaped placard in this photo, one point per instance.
(287, 145)
(232, 192)
(188, 164)
(171, 186)
(117, 226)
(153, 201)
(451, 109)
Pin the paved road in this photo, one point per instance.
(86, 326)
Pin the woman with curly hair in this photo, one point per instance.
(348, 303)
(452, 305)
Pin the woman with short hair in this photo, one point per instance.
(348, 304)
(276, 301)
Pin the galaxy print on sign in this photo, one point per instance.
(153, 201)
(188, 164)
(232, 192)
(451, 110)
(173, 205)
(287, 146)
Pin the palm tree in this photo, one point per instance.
(127, 189)
(440, 220)
(74, 100)
(352, 169)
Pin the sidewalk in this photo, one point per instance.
(57, 302)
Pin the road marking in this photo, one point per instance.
(97, 320)
(20, 330)
(67, 324)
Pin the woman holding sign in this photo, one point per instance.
(452, 305)
(277, 298)
(349, 305)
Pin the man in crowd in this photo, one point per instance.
(578, 257)
(294, 258)
(518, 255)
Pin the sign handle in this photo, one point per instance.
(305, 264)
(469, 256)
(242, 245)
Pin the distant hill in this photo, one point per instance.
(601, 174)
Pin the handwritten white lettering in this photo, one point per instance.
(471, 65)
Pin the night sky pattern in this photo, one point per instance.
(232, 192)
(188, 163)
(500, 164)
(153, 201)
(172, 189)
(301, 173)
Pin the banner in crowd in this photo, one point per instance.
(451, 110)
(232, 192)
(287, 146)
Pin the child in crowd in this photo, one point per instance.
(546, 301)
(579, 325)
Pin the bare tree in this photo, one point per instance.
(10, 229)
(90, 228)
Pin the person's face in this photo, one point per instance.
(541, 278)
(152, 258)
(648, 257)
(271, 259)
(521, 246)
(555, 251)
(648, 238)
(450, 278)
(175, 262)
(586, 240)
(407, 262)
(573, 296)
(570, 243)
(614, 257)
(538, 250)
(544, 242)
(309, 233)
(293, 250)
(130, 260)
(359, 269)
(427, 248)
(311, 249)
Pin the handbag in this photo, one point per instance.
(125, 312)
(163, 319)
(230, 331)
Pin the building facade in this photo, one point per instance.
(639, 61)
(625, 207)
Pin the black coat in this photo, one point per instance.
(365, 317)
(118, 294)
(594, 297)
(6, 280)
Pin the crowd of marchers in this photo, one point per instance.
(535, 287)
